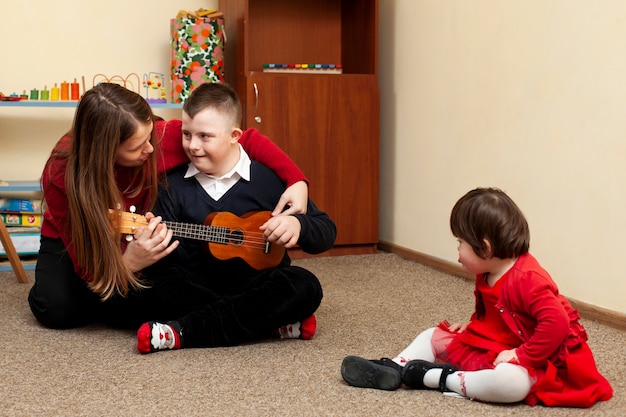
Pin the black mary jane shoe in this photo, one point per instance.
(414, 371)
(382, 374)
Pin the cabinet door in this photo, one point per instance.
(328, 124)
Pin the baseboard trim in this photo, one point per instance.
(588, 311)
(340, 250)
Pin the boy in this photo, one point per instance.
(237, 302)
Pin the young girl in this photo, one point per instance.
(523, 341)
(113, 158)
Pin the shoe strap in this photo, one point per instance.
(445, 371)
(390, 363)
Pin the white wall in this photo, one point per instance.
(526, 96)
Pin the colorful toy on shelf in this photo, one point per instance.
(71, 91)
(304, 68)
(54, 95)
(65, 91)
(153, 83)
(75, 90)
(118, 79)
(11, 97)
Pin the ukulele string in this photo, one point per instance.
(254, 240)
(220, 234)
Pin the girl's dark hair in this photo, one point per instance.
(489, 214)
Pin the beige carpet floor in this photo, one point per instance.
(374, 305)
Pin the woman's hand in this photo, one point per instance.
(296, 197)
(150, 244)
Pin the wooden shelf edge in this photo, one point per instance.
(27, 265)
(11, 186)
(341, 250)
(72, 103)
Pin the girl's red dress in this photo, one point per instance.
(524, 310)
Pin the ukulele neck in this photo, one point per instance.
(214, 234)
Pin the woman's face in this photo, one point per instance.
(136, 150)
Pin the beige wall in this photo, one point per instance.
(528, 96)
(51, 41)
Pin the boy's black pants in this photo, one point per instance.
(270, 299)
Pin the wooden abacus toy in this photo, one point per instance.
(304, 68)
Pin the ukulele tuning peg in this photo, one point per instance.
(132, 209)
(129, 238)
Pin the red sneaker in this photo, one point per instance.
(153, 336)
(300, 330)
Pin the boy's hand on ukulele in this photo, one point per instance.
(150, 244)
(283, 230)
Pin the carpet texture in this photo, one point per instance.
(373, 306)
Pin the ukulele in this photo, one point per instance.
(228, 235)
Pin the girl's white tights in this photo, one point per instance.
(420, 348)
(506, 383)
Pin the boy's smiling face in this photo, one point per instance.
(211, 141)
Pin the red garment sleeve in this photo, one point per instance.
(262, 149)
(541, 302)
(259, 147)
(55, 215)
(169, 137)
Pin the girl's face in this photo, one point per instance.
(470, 261)
(136, 150)
(211, 142)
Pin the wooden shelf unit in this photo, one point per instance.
(327, 123)
(14, 260)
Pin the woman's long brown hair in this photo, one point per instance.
(106, 116)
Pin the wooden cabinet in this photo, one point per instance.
(327, 123)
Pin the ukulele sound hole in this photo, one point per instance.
(236, 237)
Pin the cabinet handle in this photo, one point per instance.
(256, 102)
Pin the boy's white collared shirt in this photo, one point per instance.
(216, 187)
